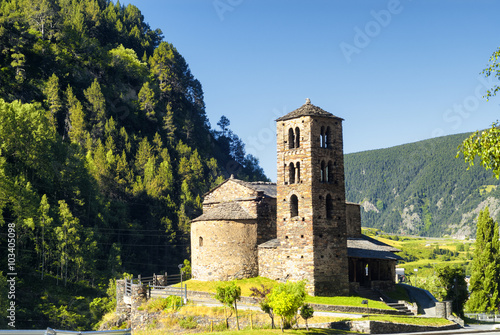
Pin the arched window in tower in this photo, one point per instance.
(322, 138)
(297, 137)
(329, 207)
(291, 174)
(294, 206)
(291, 139)
(329, 173)
(201, 241)
(327, 140)
(322, 175)
(298, 172)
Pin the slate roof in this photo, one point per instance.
(225, 211)
(367, 247)
(268, 188)
(307, 109)
(271, 244)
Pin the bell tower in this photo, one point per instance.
(311, 209)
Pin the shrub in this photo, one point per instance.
(188, 323)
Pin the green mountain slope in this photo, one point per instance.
(420, 188)
(105, 151)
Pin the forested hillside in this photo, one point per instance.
(421, 188)
(105, 152)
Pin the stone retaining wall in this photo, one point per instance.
(380, 327)
(354, 309)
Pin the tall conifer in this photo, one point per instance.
(485, 277)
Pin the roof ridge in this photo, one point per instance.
(307, 109)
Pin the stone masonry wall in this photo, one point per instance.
(353, 213)
(266, 219)
(270, 263)
(228, 191)
(313, 243)
(330, 242)
(227, 249)
(380, 327)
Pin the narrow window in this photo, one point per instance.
(327, 173)
(291, 139)
(201, 241)
(294, 206)
(329, 206)
(322, 175)
(297, 137)
(322, 137)
(291, 174)
(327, 140)
(330, 172)
(298, 172)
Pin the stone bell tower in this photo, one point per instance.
(311, 209)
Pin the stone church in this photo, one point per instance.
(298, 228)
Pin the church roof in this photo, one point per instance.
(367, 247)
(267, 188)
(307, 109)
(271, 244)
(225, 211)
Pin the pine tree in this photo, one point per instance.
(485, 277)
(147, 101)
(53, 100)
(75, 122)
(98, 108)
(45, 223)
(169, 124)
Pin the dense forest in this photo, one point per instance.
(421, 188)
(105, 153)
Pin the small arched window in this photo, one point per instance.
(329, 173)
(329, 206)
(291, 174)
(297, 137)
(201, 241)
(322, 172)
(322, 137)
(291, 139)
(327, 139)
(294, 206)
(298, 172)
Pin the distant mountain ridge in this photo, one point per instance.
(421, 188)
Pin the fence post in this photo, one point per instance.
(139, 277)
(185, 294)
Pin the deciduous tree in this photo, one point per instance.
(485, 144)
(228, 294)
(286, 299)
(306, 312)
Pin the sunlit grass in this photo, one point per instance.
(347, 301)
(245, 284)
(412, 320)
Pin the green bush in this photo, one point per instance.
(188, 323)
(160, 304)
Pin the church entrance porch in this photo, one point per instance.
(371, 273)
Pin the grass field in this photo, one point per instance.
(347, 301)
(246, 284)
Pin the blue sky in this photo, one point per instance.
(396, 71)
